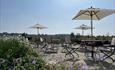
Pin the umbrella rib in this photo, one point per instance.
(80, 14)
(90, 13)
(95, 13)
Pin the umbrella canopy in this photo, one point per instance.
(83, 27)
(93, 14)
(96, 13)
(38, 27)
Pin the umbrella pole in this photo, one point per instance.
(38, 37)
(82, 35)
(82, 32)
(92, 54)
(38, 32)
(91, 25)
(91, 28)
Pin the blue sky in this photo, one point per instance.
(19, 15)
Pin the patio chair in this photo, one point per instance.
(83, 44)
(70, 52)
(109, 50)
(48, 49)
(51, 50)
(44, 47)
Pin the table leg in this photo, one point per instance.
(92, 52)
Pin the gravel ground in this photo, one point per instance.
(59, 57)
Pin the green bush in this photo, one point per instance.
(18, 56)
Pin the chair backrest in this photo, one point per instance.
(113, 42)
(41, 39)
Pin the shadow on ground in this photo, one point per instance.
(100, 65)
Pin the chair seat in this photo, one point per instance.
(105, 50)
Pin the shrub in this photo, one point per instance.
(18, 56)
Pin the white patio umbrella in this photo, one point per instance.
(83, 27)
(38, 27)
(93, 14)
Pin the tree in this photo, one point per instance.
(72, 37)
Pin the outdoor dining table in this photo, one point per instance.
(91, 43)
(99, 43)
